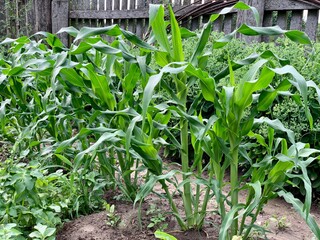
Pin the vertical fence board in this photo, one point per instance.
(218, 24)
(2, 19)
(60, 18)
(227, 24)
(94, 6)
(296, 20)
(267, 22)
(187, 22)
(73, 22)
(116, 6)
(311, 27)
(195, 23)
(248, 18)
(107, 7)
(85, 6)
(141, 24)
(282, 19)
(124, 6)
(132, 22)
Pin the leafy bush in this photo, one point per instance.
(32, 195)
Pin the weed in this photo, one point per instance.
(112, 218)
(281, 222)
(157, 218)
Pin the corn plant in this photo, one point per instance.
(222, 136)
(57, 101)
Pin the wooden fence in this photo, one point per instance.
(24, 17)
(28, 16)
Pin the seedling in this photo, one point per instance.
(281, 222)
(43, 232)
(112, 218)
(9, 231)
(157, 218)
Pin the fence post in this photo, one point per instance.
(247, 17)
(42, 15)
(60, 18)
(2, 19)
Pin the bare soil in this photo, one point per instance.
(278, 217)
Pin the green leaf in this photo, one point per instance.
(70, 75)
(64, 159)
(176, 38)
(100, 86)
(164, 236)
(298, 36)
(86, 32)
(277, 125)
(70, 30)
(156, 21)
(298, 206)
(227, 221)
(266, 98)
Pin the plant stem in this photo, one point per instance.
(253, 219)
(205, 200)
(198, 224)
(126, 177)
(234, 186)
(173, 206)
(187, 200)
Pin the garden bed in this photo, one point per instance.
(278, 217)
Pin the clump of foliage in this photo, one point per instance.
(33, 196)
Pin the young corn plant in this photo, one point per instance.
(222, 136)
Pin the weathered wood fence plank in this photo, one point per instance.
(2, 19)
(296, 20)
(248, 18)
(51, 15)
(311, 27)
(60, 18)
(286, 5)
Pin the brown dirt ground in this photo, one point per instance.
(288, 226)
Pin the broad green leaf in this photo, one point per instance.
(148, 92)
(70, 30)
(51, 39)
(257, 189)
(100, 86)
(277, 174)
(227, 221)
(111, 137)
(277, 125)
(86, 32)
(294, 35)
(176, 38)
(64, 159)
(156, 21)
(298, 36)
(300, 83)
(266, 98)
(131, 37)
(163, 235)
(202, 42)
(70, 75)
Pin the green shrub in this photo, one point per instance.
(32, 195)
